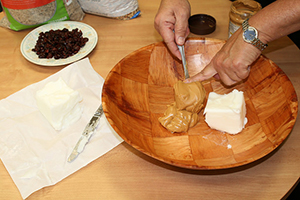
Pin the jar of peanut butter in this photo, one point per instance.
(241, 10)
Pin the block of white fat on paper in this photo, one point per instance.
(226, 113)
(59, 104)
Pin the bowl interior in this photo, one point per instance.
(139, 88)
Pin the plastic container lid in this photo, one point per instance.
(202, 24)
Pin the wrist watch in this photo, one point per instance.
(250, 35)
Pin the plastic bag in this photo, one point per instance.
(118, 9)
(20, 15)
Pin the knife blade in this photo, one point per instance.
(186, 73)
(181, 49)
(87, 134)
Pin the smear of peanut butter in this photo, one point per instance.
(183, 113)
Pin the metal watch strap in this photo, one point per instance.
(245, 25)
(256, 42)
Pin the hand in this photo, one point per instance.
(173, 15)
(232, 63)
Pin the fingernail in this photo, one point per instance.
(187, 81)
(180, 40)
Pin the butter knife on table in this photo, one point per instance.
(87, 134)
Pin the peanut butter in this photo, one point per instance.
(183, 113)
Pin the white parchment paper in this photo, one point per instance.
(34, 154)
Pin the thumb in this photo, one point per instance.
(181, 32)
(208, 72)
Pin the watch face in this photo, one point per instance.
(250, 34)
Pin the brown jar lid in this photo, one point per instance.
(202, 24)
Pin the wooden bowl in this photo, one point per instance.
(139, 88)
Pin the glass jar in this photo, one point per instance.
(241, 10)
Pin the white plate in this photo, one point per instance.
(29, 42)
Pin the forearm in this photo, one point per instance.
(277, 20)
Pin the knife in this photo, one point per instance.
(186, 73)
(87, 134)
(181, 49)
